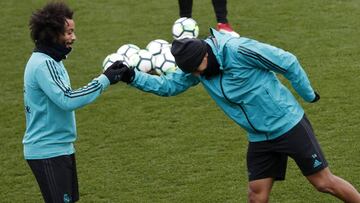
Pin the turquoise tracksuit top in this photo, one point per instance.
(49, 107)
(247, 88)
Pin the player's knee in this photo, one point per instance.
(325, 186)
(322, 188)
(256, 196)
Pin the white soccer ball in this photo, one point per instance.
(185, 28)
(158, 46)
(165, 63)
(128, 50)
(111, 58)
(143, 61)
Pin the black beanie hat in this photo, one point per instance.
(188, 53)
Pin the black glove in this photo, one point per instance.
(317, 97)
(128, 74)
(115, 72)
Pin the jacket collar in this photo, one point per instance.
(217, 41)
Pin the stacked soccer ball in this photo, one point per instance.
(156, 58)
(185, 28)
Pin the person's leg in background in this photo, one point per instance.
(223, 25)
(185, 8)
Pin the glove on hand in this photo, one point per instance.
(317, 97)
(115, 72)
(128, 74)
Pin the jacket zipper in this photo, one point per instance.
(242, 108)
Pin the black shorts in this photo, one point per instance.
(57, 178)
(268, 159)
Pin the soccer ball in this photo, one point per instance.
(143, 61)
(165, 63)
(158, 46)
(111, 58)
(128, 50)
(185, 28)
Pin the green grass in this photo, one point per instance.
(137, 147)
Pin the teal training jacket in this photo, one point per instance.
(49, 107)
(247, 88)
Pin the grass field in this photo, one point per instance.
(137, 147)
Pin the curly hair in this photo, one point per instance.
(47, 24)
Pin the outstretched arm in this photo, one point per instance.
(56, 86)
(170, 84)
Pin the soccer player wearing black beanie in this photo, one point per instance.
(240, 74)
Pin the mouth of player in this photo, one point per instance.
(69, 44)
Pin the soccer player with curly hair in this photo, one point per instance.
(50, 103)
